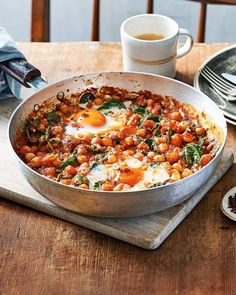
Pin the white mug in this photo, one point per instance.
(153, 56)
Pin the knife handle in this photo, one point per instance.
(20, 70)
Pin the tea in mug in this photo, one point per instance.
(149, 36)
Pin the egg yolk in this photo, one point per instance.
(90, 117)
(131, 177)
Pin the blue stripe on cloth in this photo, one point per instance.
(8, 51)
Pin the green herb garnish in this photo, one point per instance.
(142, 111)
(192, 154)
(80, 179)
(94, 165)
(97, 185)
(112, 104)
(169, 133)
(151, 143)
(53, 117)
(69, 161)
(154, 118)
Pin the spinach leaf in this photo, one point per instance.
(53, 117)
(169, 133)
(152, 143)
(94, 165)
(69, 161)
(154, 118)
(154, 165)
(112, 104)
(142, 111)
(87, 97)
(80, 179)
(97, 185)
(101, 156)
(192, 154)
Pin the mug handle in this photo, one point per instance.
(187, 45)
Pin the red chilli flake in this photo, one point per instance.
(232, 203)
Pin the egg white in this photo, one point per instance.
(152, 176)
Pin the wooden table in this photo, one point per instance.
(40, 254)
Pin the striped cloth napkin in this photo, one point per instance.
(8, 50)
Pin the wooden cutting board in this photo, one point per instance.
(147, 231)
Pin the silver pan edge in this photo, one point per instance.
(120, 204)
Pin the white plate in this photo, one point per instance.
(222, 61)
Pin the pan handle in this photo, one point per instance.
(20, 70)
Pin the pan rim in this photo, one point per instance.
(107, 193)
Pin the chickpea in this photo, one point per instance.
(111, 159)
(200, 130)
(36, 162)
(25, 149)
(172, 156)
(139, 156)
(205, 159)
(188, 136)
(64, 108)
(176, 139)
(163, 147)
(34, 149)
(175, 175)
(107, 141)
(162, 139)
(150, 102)
(56, 162)
(57, 130)
(41, 127)
(209, 147)
(87, 137)
(133, 120)
(159, 158)
(128, 153)
(70, 170)
(84, 186)
(129, 140)
(143, 146)
(187, 172)
(151, 155)
(107, 186)
(98, 101)
(177, 167)
(82, 150)
(49, 171)
(128, 113)
(182, 126)
(167, 165)
(84, 168)
(29, 157)
(75, 109)
(44, 122)
(66, 181)
(173, 125)
(141, 133)
(96, 140)
(149, 123)
(82, 159)
(176, 116)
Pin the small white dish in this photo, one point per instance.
(225, 204)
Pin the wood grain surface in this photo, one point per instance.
(44, 255)
(146, 231)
